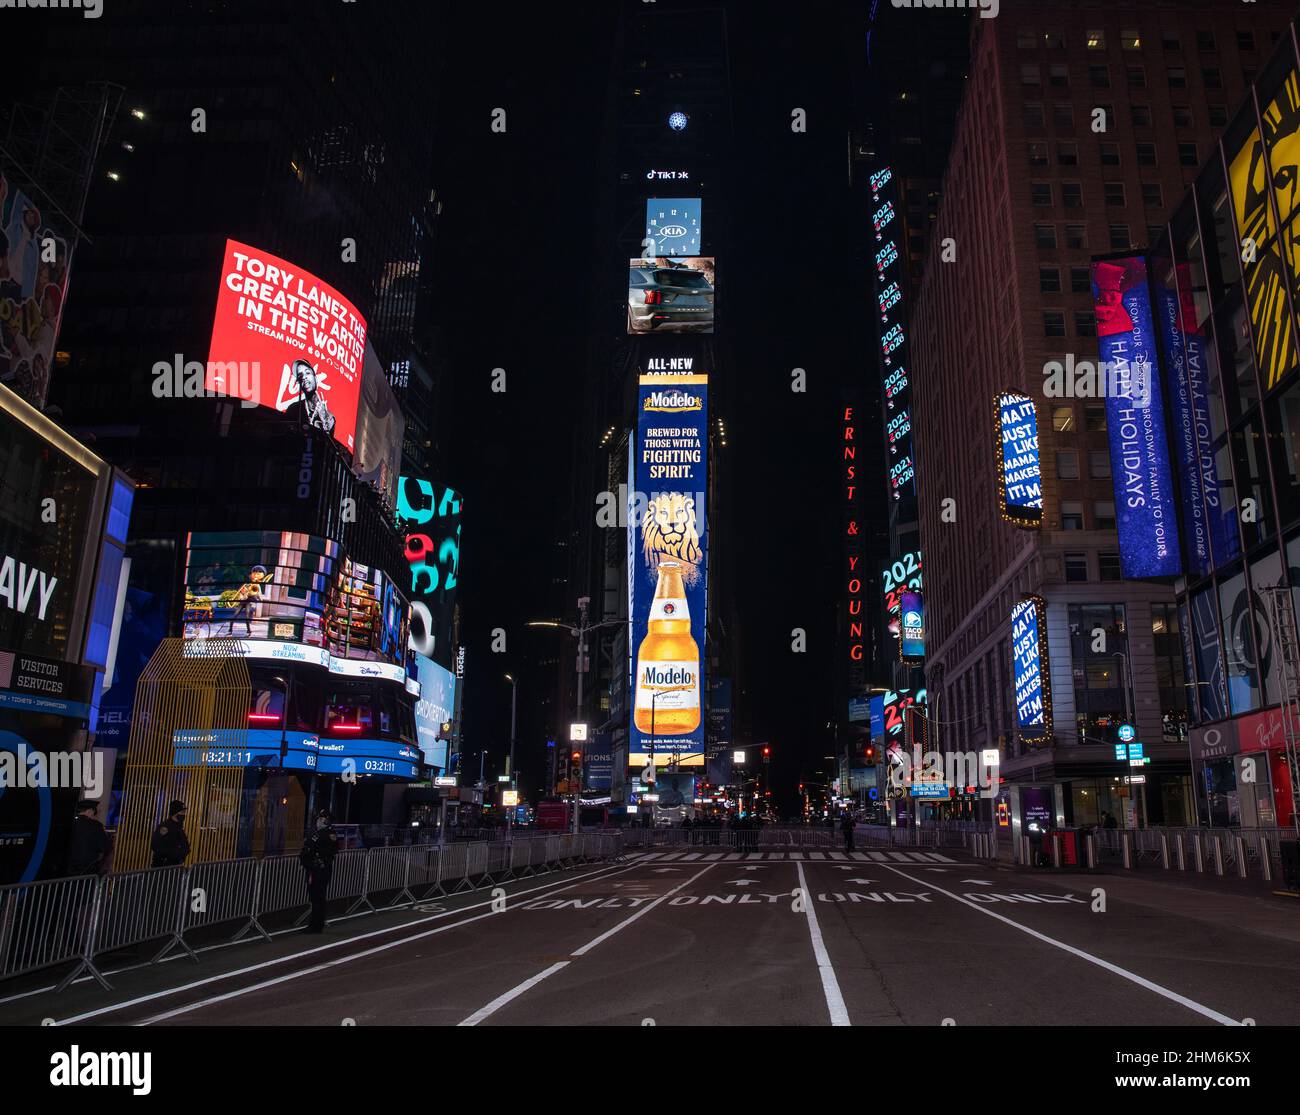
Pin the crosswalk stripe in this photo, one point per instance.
(816, 855)
(838, 855)
(877, 857)
(754, 855)
(714, 856)
(942, 859)
(901, 857)
(692, 855)
(922, 857)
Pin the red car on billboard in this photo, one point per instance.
(288, 340)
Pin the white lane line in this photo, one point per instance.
(601, 872)
(514, 993)
(1173, 996)
(830, 985)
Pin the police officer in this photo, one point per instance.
(317, 857)
(170, 844)
(88, 850)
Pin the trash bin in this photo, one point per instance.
(1071, 841)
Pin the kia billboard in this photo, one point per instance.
(300, 343)
(670, 295)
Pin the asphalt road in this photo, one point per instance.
(717, 938)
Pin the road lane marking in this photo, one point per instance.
(830, 985)
(1141, 981)
(603, 873)
(514, 993)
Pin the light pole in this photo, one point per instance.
(580, 633)
(510, 762)
(1124, 682)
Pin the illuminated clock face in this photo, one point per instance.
(673, 223)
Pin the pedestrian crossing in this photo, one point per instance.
(804, 856)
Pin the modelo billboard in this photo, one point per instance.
(1146, 508)
(301, 343)
(668, 543)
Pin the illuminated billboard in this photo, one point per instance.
(430, 515)
(896, 578)
(294, 597)
(893, 708)
(911, 643)
(1020, 481)
(667, 295)
(1030, 668)
(1146, 512)
(303, 339)
(381, 429)
(891, 307)
(34, 260)
(668, 546)
(673, 226)
(1209, 528)
(433, 709)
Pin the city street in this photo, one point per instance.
(697, 937)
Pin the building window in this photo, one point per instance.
(1205, 41)
(1169, 40)
(1096, 40)
(1038, 154)
(1182, 116)
(1076, 567)
(1026, 38)
(1049, 280)
(1108, 568)
(1071, 515)
(1058, 75)
(1067, 464)
(1119, 238)
(1063, 419)
(1114, 193)
(1076, 236)
(1030, 75)
(1187, 155)
(1146, 154)
(1245, 40)
(1072, 195)
(1054, 40)
(1041, 193)
(1130, 39)
(1137, 77)
(1152, 196)
(1045, 236)
(1079, 281)
(1094, 419)
(1067, 154)
(1099, 463)
(1085, 323)
(1034, 117)
(1109, 154)
(1218, 116)
(1099, 77)
(1141, 115)
(1102, 701)
(1103, 514)
(1212, 77)
(1156, 236)
(1053, 323)
(1177, 77)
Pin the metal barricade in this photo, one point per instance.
(424, 872)
(388, 870)
(222, 891)
(141, 906)
(48, 923)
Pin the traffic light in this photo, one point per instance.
(870, 755)
(767, 752)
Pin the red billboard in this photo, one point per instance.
(301, 342)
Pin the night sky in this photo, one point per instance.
(517, 299)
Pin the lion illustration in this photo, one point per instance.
(668, 531)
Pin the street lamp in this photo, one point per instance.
(510, 762)
(580, 633)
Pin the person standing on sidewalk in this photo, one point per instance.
(170, 844)
(317, 857)
(848, 826)
(89, 848)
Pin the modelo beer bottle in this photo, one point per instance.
(668, 662)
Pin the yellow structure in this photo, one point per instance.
(191, 703)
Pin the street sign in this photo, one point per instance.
(445, 780)
(1135, 751)
(577, 733)
(1136, 779)
(503, 778)
(738, 758)
(1127, 732)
